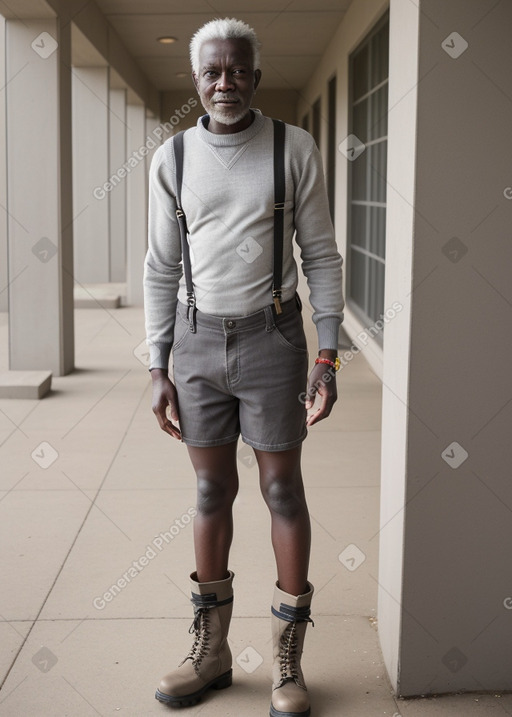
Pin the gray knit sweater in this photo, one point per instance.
(228, 199)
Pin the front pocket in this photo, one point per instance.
(181, 329)
(290, 332)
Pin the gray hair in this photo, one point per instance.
(226, 29)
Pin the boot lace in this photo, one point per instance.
(200, 628)
(288, 662)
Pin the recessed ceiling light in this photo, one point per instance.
(181, 74)
(167, 40)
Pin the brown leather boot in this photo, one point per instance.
(290, 616)
(208, 664)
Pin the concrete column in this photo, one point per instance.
(445, 596)
(3, 176)
(117, 195)
(137, 203)
(40, 222)
(90, 171)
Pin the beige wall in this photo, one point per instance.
(280, 104)
(181, 109)
(402, 100)
(444, 584)
(358, 21)
(456, 630)
(3, 177)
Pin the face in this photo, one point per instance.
(226, 83)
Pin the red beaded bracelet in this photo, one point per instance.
(333, 364)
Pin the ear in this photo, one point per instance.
(196, 81)
(257, 78)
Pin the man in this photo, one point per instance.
(240, 358)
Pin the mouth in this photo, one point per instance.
(226, 103)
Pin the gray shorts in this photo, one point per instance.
(242, 376)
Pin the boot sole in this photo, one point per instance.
(219, 683)
(278, 713)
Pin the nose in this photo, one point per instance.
(224, 83)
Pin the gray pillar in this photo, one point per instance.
(117, 195)
(40, 222)
(445, 595)
(137, 202)
(90, 172)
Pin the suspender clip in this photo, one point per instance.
(277, 300)
(191, 312)
(182, 220)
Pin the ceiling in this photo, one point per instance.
(293, 33)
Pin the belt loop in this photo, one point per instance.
(269, 319)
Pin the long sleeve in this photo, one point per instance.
(321, 261)
(162, 266)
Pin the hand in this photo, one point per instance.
(165, 401)
(321, 381)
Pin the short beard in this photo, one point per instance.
(222, 118)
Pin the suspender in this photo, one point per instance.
(182, 223)
(279, 197)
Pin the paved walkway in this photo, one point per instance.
(94, 495)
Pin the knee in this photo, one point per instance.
(284, 498)
(214, 493)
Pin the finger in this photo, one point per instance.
(315, 416)
(323, 410)
(171, 411)
(171, 429)
(166, 424)
(310, 397)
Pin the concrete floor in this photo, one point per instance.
(88, 483)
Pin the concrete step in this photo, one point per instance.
(25, 384)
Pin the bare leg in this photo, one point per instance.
(217, 486)
(283, 491)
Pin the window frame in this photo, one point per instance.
(369, 298)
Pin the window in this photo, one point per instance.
(331, 144)
(316, 122)
(368, 78)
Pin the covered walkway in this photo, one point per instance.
(410, 105)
